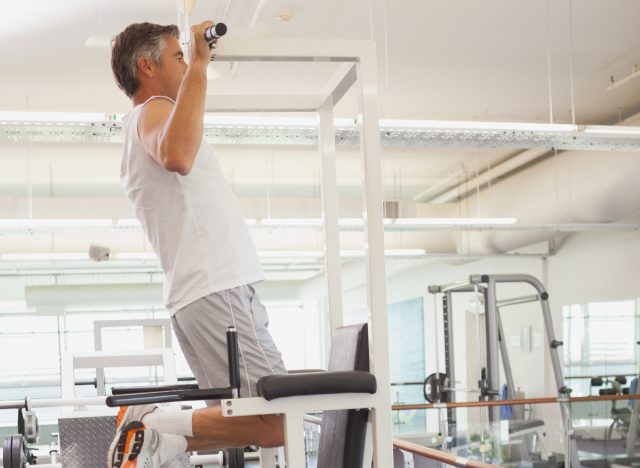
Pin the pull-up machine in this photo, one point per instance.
(485, 285)
(356, 65)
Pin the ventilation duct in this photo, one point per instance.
(571, 187)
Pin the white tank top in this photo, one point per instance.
(193, 222)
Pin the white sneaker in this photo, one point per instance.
(132, 413)
(135, 446)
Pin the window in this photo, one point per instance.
(38, 342)
(406, 360)
(599, 340)
(407, 363)
(295, 329)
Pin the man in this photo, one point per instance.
(195, 226)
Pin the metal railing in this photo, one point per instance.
(438, 455)
(524, 401)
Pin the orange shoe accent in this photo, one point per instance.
(123, 410)
(127, 462)
(128, 445)
(130, 463)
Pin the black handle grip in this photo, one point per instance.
(232, 354)
(215, 32)
(169, 396)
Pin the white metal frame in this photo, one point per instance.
(357, 65)
(101, 359)
(294, 409)
(99, 325)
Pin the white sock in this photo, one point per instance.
(171, 446)
(170, 421)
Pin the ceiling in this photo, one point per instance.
(446, 59)
(484, 60)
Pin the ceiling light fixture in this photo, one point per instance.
(212, 119)
(32, 118)
(343, 253)
(449, 221)
(609, 130)
(387, 253)
(34, 257)
(439, 125)
(26, 223)
(358, 223)
(289, 222)
(346, 126)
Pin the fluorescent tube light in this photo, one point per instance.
(262, 122)
(612, 130)
(259, 122)
(79, 223)
(270, 122)
(404, 252)
(55, 117)
(474, 126)
(449, 221)
(343, 253)
(359, 222)
(17, 118)
(43, 256)
(132, 222)
(291, 254)
(314, 255)
(285, 222)
(18, 223)
(387, 253)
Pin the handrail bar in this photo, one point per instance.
(524, 401)
(443, 457)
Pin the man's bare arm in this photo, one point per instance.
(172, 134)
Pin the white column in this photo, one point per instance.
(294, 439)
(374, 261)
(329, 189)
(267, 458)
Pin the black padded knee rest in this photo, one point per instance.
(316, 383)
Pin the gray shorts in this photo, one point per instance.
(201, 329)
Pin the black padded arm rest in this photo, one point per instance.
(320, 383)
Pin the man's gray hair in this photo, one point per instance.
(137, 40)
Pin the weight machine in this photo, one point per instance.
(440, 387)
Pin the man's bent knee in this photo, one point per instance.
(273, 433)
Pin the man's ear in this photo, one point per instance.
(145, 67)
